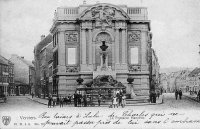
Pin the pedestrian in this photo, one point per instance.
(54, 101)
(158, 94)
(115, 102)
(123, 101)
(154, 97)
(70, 99)
(176, 94)
(120, 99)
(180, 94)
(161, 90)
(151, 96)
(99, 100)
(61, 101)
(65, 100)
(85, 100)
(49, 101)
(32, 95)
(75, 99)
(198, 96)
(79, 99)
(58, 101)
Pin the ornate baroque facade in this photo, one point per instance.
(78, 33)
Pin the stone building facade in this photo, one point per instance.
(6, 77)
(78, 33)
(43, 54)
(24, 75)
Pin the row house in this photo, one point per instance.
(43, 56)
(194, 80)
(164, 82)
(155, 69)
(172, 80)
(181, 81)
(24, 75)
(6, 77)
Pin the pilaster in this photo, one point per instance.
(61, 51)
(90, 46)
(117, 46)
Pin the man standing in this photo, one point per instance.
(49, 101)
(180, 94)
(198, 96)
(176, 94)
(75, 99)
(99, 99)
(61, 101)
(32, 95)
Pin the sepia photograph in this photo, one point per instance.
(93, 64)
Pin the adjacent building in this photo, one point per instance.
(6, 77)
(78, 34)
(164, 82)
(194, 80)
(24, 75)
(43, 55)
(181, 81)
(155, 70)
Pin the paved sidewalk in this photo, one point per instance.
(192, 97)
(45, 101)
(38, 100)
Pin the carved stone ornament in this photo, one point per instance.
(104, 14)
(103, 37)
(134, 36)
(134, 68)
(72, 37)
(72, 69)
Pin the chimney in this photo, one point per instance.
(42, 37)
(84, 1)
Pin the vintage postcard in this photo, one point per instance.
(84, 64)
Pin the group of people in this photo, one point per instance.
(119, 99)
(53, 100)
(81, 100)
(178, 93)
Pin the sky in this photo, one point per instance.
(175, 25)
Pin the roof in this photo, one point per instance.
(43, 43)
(3, 60)
(195, 72)
(27, 62)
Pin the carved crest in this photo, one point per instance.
(134, 68)
(71, 37)
(134, 36)
(6, 120)
(103, 14)
(72, 69)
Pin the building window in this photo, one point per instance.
(134, 55)
(71, 56)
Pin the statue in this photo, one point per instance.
(104, 54)
(103, 46)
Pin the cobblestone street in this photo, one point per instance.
(23, 103)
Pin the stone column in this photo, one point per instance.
(83, 46)
(117, 46)
(6, 90)
(61, 51)
(123, 46)
(90, 46)
(143, 47)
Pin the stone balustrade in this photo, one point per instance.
(72, 13)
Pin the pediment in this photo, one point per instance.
(104, 12)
